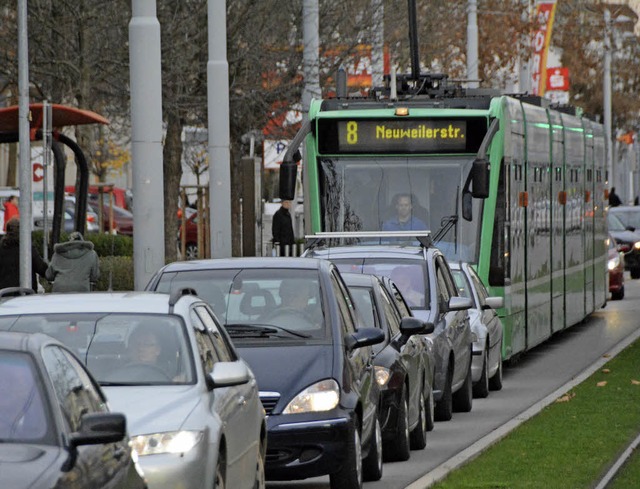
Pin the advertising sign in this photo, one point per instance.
(545, 11)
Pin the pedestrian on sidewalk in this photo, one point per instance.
(614, 200)
(74, 265)
(10, 258)
(10, 210)
(282, 229)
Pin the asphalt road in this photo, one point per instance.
(535, 376)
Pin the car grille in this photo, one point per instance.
(269, 401)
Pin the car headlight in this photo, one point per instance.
(382, 375)
(613, 263)
(636, 245)
(167, 442)
(321, 396)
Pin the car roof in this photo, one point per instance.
(130, 302)
(245, 262)
(365, 251)
(624, 208)
(25, 342)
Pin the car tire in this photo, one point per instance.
(219, 476)
(430, 411)
(372, 465)
(619, 295)
(481, 388)
(444, 407)
(463, 398)
(418, 438)
(261, 481)
(398, 449)
(495, 382)
(191, 251)
(350, 474)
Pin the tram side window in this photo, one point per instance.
(498, 267)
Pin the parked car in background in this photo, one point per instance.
(627, 239)
(56, 429)
(615, 266)
(120, 223)
(423, 276)
(68, 219)
(399, 364)
(191, 236)
(191, 403)
(486, 329)
(294, 321)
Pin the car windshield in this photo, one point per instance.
(408, 275)
(615, 224)
(24, 417)
(119, 349)
(627, 216)
(258, 304)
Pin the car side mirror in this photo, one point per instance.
(100, 428)
(411, 325)
(364, 337)
(460, 304)
(225, 374)
(493, 303)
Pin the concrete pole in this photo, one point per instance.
(218, 118)
(146, 146)
(472, 44)
(377, 43)
(311, 53)
(607, 97)
(24, 175)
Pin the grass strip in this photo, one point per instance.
(569, 444)
(629, 475)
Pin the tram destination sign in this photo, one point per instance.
(397, 136)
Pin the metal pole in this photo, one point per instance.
(607, 97)
(46, 161)
(472, 44)
(25, 178)
(377, 43)
(311, 53)
(146, 145)
(218, 118)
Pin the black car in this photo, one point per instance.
(294, 321)
(423, 275)
(399, 364)
(627, 240)
(55, 427)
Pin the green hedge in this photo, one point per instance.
(104, 244)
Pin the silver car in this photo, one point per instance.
(486, 330)
(192, 404)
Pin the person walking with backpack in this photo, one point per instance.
(74, 265)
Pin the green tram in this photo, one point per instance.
(503, 182)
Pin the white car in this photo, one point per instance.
(192, 405)
(486, 330)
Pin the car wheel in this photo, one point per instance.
(481, 388)
(372, 465)
(463, 398)
(419, 434)
(430, 412)
(350, 474)
(219, 482)
(619, 295)
(444, 407)
(398, 449)
(495, 382)
(261, 482)
(191, 251)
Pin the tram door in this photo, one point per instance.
(558, 205)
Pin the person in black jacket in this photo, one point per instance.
(10, 259)
(614, 200)
(282, 229)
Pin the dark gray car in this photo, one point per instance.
(424, 278)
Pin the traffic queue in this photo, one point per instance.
(232, 372)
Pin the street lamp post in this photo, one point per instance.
(607, 96)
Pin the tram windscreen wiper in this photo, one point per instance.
(237, 330)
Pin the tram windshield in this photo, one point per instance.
(400, 194)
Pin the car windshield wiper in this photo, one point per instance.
(260, 331)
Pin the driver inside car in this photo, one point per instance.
(298, 309)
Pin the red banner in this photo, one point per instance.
(545, 11)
